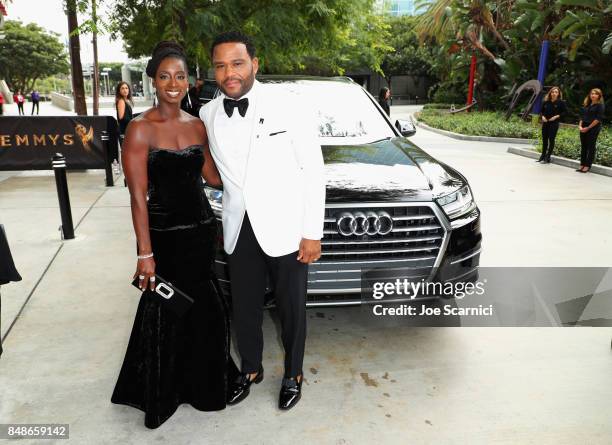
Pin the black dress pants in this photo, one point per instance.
(549, 133)
(35, 104)
(250, 267)
(588, 142)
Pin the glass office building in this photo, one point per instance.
(396, 7)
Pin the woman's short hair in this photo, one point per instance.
(587, 100)
(547, 97)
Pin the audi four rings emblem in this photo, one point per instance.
(362, 223)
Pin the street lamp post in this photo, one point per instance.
(107, 71)
(105, 75)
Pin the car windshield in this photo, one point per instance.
(345, 114)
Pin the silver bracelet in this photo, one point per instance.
(145, 256)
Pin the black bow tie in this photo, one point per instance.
(230, 104)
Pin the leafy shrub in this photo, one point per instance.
(448, 92)
(567, 144)
(483, 123)
(437, 106)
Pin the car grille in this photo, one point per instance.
(410, 250)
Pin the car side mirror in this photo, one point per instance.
(405, 127)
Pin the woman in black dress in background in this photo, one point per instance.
(123, 106)
(172, 360)
(384, 96)
(591, 117)
(553, 109)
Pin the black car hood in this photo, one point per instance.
(388, 170)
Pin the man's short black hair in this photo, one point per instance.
(234, 37)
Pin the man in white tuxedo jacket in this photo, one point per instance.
(270, 161)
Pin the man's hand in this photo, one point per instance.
(544, 119)
(310, 250)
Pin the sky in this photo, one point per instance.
(50, 15)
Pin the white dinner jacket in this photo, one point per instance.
(283, 187)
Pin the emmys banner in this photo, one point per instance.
(29, 143)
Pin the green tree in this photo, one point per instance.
(308, 36)
(94, 25)
(29, 53)
(467, 21)
(579, 33)
(408, 57)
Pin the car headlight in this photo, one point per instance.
(215, 198)
(457, 203)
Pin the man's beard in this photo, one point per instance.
(246, 85)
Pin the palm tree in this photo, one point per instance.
(76, 68)
(464, 22)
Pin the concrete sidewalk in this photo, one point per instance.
(48, 109)
(363, 384)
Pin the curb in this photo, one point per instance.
(465, 137)
(566, 162)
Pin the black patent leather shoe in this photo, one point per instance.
(240, 388)
(290, 393)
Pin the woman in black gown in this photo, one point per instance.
(123, 106)
(172, 360)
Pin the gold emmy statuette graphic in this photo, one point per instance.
(85, 135)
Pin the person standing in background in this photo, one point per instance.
(591, 117)
(19, 100)
(1, 104)
(553, 108)
(123, 105)
(35, 97)
(194, 97)
(383, 99)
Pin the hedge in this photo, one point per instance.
(485, 123)
(489, 123)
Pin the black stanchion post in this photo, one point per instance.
(110, 181)
(59, 167)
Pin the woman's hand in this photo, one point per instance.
(583, 130)
(145, 270)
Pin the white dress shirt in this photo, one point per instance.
(235, 132)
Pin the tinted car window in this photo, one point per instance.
(344, 112)
(380, 153)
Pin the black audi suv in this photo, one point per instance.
(390, 206)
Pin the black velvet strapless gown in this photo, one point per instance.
(172, 360)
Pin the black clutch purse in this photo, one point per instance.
(169, 295)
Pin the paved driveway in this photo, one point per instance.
(532, 214)
(363, 384)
